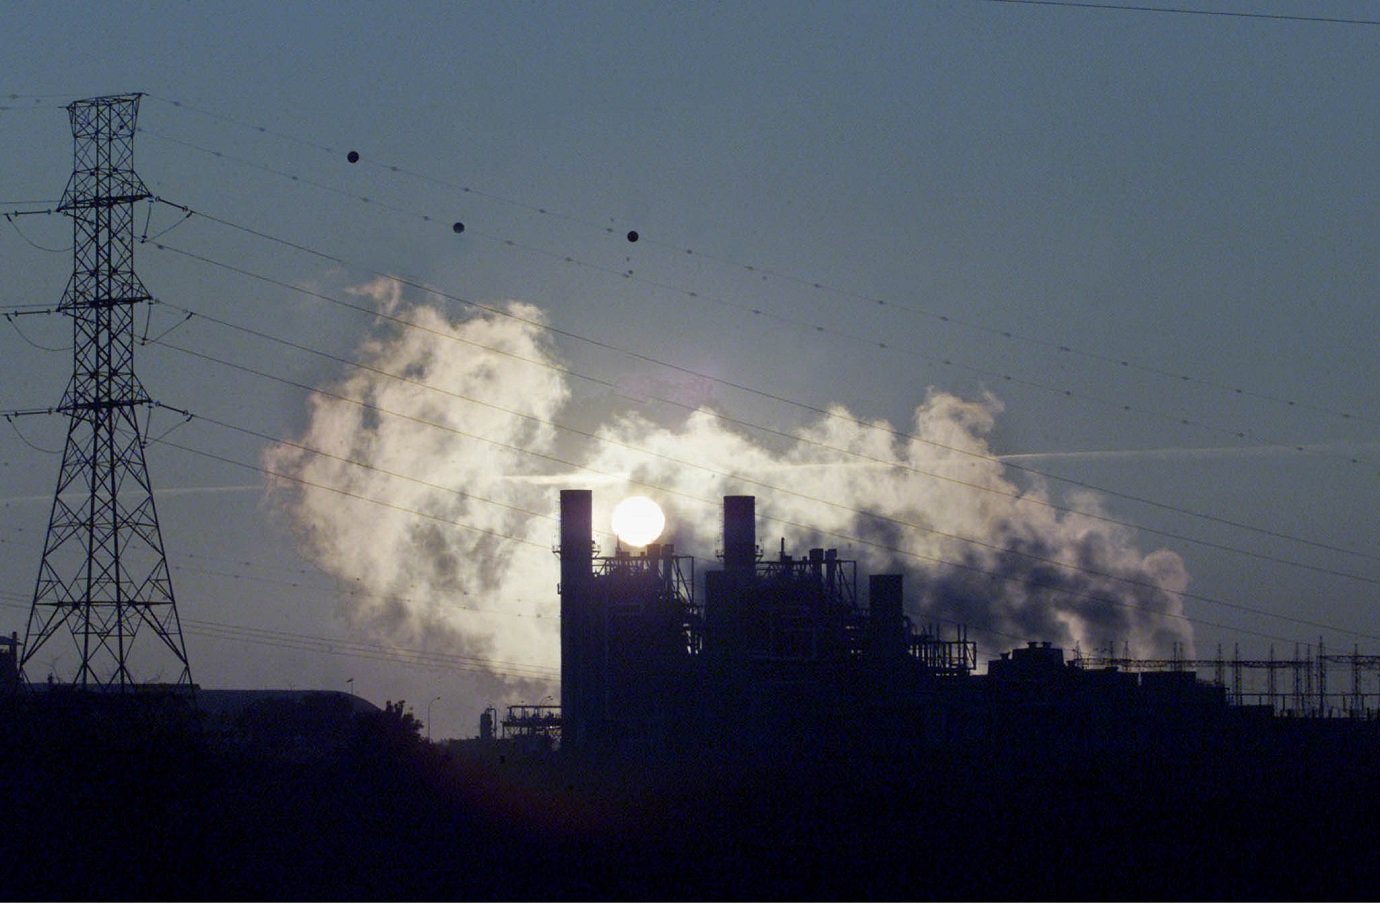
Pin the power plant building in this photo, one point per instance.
(782, 652)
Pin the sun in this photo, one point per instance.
(638, 520)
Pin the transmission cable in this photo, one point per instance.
(352, 495)
(995, 576)
(806, 326)
(806, 282)
(1183, 11)
(10, 218)
(1065, 393)
(728, 419)
(10, 319)
(1132, 582)
(935, 560)
(597, 437)
(341, 646)
(9, 419)
(346, 591)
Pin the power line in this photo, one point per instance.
(352, 495)
(363, 464)
(18, 309)
(934, 560)
(332, 649)
(368, 649)
(11, 219)
(1120, 362)
(827, 413)
(9, 419)
(341, 646)
(1077, 595)
(338, 591)
(1184, 11)
(556, 617)
(873, 344)
(309, 250)
(999, 375)
(10, 319)
(592, 435)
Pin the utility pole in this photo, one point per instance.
(428, 718)
(104, 578)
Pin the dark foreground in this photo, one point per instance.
(135, 801)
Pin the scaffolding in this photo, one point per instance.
(534, 726)
(9, 663)
(955, 658)
(667, 582)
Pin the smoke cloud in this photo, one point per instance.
(465, 454)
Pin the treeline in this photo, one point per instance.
(138, 798)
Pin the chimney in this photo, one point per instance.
(740, 533)
(577, 634)
(886, 618)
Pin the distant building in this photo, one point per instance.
(9, 664)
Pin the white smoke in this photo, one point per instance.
(414, 574)
(465, 454)
(931, 502)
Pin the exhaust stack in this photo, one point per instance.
(577, 628)
(740, 533)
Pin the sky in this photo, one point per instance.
(1066, 313)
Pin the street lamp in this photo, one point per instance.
(428, 719)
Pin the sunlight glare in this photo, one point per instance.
(638, 520)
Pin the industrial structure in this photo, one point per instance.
(1306, 684)
(532, 727)
(779, 647)
(104, 580)
(779, 651)
(9, 664)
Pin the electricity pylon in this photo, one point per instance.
(104, 577)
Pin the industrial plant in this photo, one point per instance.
(780, 652)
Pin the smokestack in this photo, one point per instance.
(740, 533)
(727, 592)
(577, 581)
(886, 619)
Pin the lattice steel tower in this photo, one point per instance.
(104, 578)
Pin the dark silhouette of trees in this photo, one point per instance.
(137, 797)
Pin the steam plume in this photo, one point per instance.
(482, 450)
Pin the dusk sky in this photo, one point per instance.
(935, 281)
